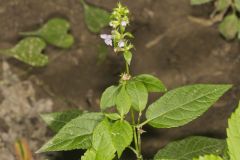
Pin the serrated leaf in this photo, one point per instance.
(138, 94)
(76, 134)
(122, 135)
(233, 135)
(58, 119)
(90, 154)
(95, 18)
(102, 141)
(128, 57)
(152, 83)
(229, 26)
(191, 147)
(199, 2)
(54, 32)
(29, 51)
(182, 105)
(208, 157)
(222, 5)
(113, 116)
(108, 98)
(123, 101)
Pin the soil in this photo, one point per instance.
(168, 45)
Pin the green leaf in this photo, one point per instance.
(199, 2)
(239, 29)
(229, 26)
(102, 53)
(113, 116)
(108, 98)
(122, 135)
(128, 57)
(95, 18)
(54, 32)
(237, 4)
(222, 5)
(233, 135)
(29, 50)
(152, 83)
(225, 154)
(102, 141)
(182, 105)
(90, 154)
(191, 147)
(58, 119)
(208, 157)
(138, 94)
(76, 134)
(123, 101)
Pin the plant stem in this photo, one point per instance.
(5, 52)
(83, 3)
(28, 33)
(139, 133)
(134, 150)
(143, 123)
(134, 130)
(137, 138)
(2, 52)
(127, 67)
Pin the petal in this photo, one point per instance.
(108, 42)
(124, 23)
(103, 36)
(121, 44)
(109, 36)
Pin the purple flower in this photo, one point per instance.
(107, 39)
(121, 44)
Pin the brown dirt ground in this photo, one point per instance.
(168, 45)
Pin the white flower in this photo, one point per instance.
(121, 44)
(107, 39)
(124, 23)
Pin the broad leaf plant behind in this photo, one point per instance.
(226, 12)
(106, 135)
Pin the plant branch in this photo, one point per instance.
(134, 150)
(143, 123)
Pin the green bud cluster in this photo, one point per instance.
(119, 22)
